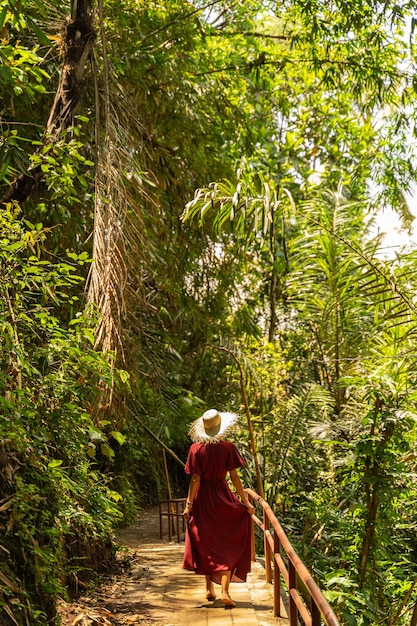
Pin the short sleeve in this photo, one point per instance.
(234, 460)
(192, 465)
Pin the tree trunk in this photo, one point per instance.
(372, 503)
(77, 41)
(372, 476)
(273, 305)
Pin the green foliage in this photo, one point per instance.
(63, 165)
(334, 451)
(20, 71)
(58, 510)
(297, 113)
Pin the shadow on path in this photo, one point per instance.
(152, 588)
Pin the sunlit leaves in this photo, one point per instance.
(50, 382)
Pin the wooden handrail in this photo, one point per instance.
(295, 569)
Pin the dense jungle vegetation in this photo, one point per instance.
(189, 188)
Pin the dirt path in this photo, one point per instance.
(152, 588)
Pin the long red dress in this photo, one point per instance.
(218, 536)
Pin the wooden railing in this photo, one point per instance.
(307, 602)
(172, 510)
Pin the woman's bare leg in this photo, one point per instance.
(210, 595)
(225, 581)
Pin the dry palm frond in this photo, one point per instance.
(107, 278)
(128, 323)
(108, 273)
(118, 189)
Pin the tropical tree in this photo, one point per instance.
(293, 124)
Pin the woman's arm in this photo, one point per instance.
(192, 489)
(234, 477)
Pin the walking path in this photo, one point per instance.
(166, 594)
(151, 588)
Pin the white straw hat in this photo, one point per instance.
(212, 426)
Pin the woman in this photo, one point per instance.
(218, 537)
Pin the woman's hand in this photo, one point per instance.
(187, 510)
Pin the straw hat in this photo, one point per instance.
(212, 426)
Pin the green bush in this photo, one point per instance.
(57, 510)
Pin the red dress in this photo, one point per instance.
(218, 536)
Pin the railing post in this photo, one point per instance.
(252, 535)
(160, 520)
(177, 512)
(277, 578)
(315, 614)
(292, 584)
(169, 520)
(267, 551)
(312, 608)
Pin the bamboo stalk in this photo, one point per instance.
(161, 443)
(248, 417)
